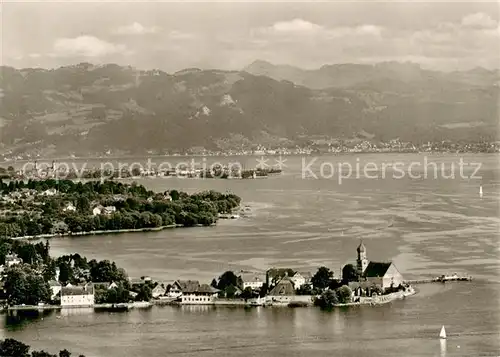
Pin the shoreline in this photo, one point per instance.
(380, 300)
(100, 232)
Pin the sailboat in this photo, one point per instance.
(442, 334)
(481, 191)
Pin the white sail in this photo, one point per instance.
(480, 191)
(442, 334)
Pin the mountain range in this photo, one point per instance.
(88, 109)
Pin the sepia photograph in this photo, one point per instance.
(249, 178)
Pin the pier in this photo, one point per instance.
(440, 279)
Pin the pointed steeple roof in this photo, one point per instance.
(361, 248)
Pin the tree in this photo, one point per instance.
(247, 293)
(322, 278)
(327, 300)
(42, 354)
(49, 271)
(64, 353)
(230, 291)
(12, 348)
(145, 293)
(105, 271)
(349, 273)
(27, 253)
(263, 290)
(83, 204)
(344, 294)
(65, 272)
(175, 195)
(227, 279)
(304, 290)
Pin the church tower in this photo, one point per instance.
(362, 262)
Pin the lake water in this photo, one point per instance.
(428, 227)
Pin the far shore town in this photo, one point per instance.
(319, 145)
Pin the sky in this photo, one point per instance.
(172, 36)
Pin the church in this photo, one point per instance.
(382, 274)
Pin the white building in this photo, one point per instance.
(202, 295)
(70, 207)
(12, 259)
(109, 210)
(300, 279)
(251, 281)
(50, 192)
(98, 210)
(77, 296)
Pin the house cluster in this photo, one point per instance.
(26, 194)
(282, 284)
(281, 288)
(83, 295)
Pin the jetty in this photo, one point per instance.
(440, 279)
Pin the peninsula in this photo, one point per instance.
(44, 208)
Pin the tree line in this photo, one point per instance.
(13, 348)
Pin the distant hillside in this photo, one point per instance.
(86, 109)
(380, 76)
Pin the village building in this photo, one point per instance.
(383, 275)
(199, 295)
(49, 192)
(283, 292)
(77, 296)
(70, 207)
(12, 259)
(119, 198)
(300, 279)
(284, 287)
(98, 210)
(179, 286)
(159, 290)
(252, 281)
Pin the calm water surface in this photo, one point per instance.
(427, 227)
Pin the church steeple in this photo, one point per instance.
(361, 262)
(361, 248)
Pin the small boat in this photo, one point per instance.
(481, 191)
(442, 334)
